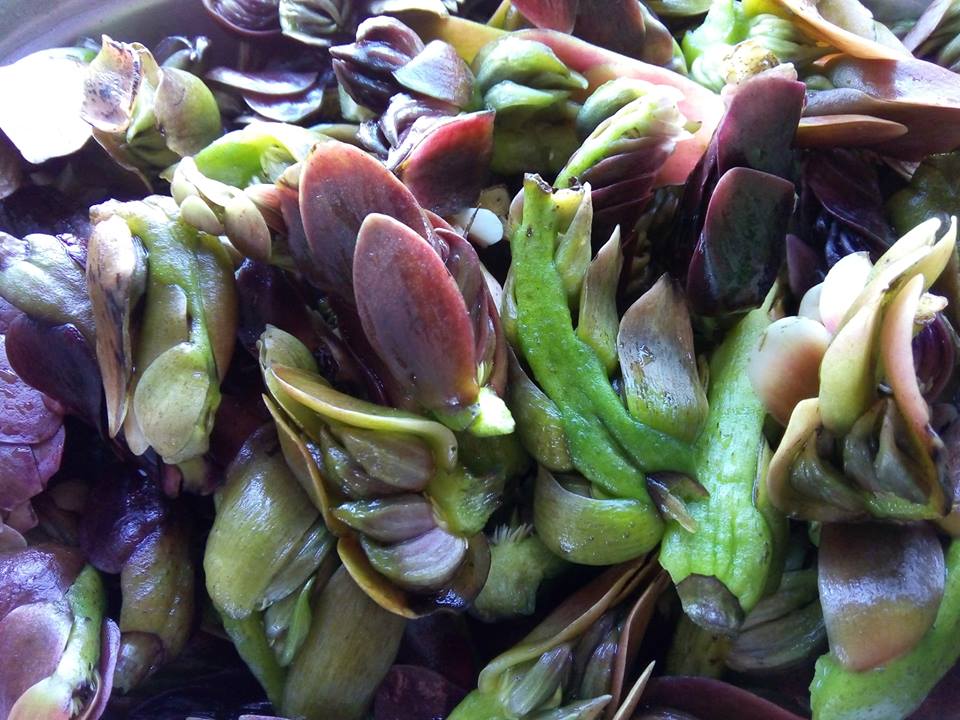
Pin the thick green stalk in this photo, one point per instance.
(88, 602)
(251, 643)
(350, 646)
(479, 706)
(75, 679)
(608, 446)
(735, 542)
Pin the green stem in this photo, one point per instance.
(478, 706)
(250, 640)
(735, 542)
(607, 445)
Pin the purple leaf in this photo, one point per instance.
(25, 414)
(803, 266)
(289, 201)
(923, 97)
(690, 213)
(290, 108)
(340, 185)
(464, 265)
(414, 315)
(41, 573)
(439, 73)
(934, 356)
(267, 296)
(25, 469)
(621, 185)
(58, 361)
(34, 636)
(557, 15)
(758, 128)
(626, 27)
(707, 699)
(857, 205)
(31, 437)
(248, 18)
(365, 68)
(448, 168)
(360, 356)
(409, 692)
(266, 82)
(748, 135)
(742, 243)
(830, 131)
(129, 506)
(401, 114)
(442, 643)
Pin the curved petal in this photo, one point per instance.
(570, 620)
(307, 389)
(577, 527)
(703, 697)
(841, 287)
(248, 18)
(290, 108)
(421, 563)
(785, 367)
(880, 587)
(848, 383)
(439, 73)
(855, 41)
(266, 82)
(173, 402)
(263, 515)
(850, 130)
(116, 275)
(660, 378)
(48, 124)
(388, 520)
(899, 369)
(455, 596)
